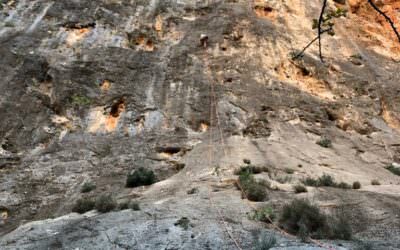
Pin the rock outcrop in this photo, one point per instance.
(92, 90)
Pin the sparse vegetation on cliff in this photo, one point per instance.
(140, 177)
(252, 189)
(83, 205)
(299, 189)
(304, 219)
(105, 203)
(393, 169)
(325, 181)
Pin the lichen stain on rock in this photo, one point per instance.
(203, 127)
(158, 25)
(4, 215)
(75, 35)
(144, 43)
(379, 32)
(105, 86)
(263, 10)
(100, 121)
(390, 117)
(303, 79)
(60, 119)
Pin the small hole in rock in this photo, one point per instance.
(268, 9)
(117, 107)
(169, 150)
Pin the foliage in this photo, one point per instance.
(341, 228)
(265, 242)
(393, 169)
(193, 191)
(83, 205)
(289, 170)
(283, 179)
(299, 189)
(123, 205)
(246, 161)
(356, 185)
(325, 181)
(375, 183)
(356, 56)
(134, 206)
(250, 169)
(183, 223)
(343, 185)
(325, 24)
(327, 20)
(252, 189)
(325, 142)
(305, 220)
(309, 181)
(265, 214)
(105, 203)
(364, 246)
(129, 205)
(302, 218)
(87, 187)
(140, 177)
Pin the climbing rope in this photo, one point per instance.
(211, 150)
(213, 107)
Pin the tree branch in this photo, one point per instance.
(320, 22)
(386, 17)
(309, 44)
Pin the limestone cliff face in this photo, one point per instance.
(91, 90)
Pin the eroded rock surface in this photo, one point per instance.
(94, 89)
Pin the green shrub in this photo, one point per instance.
(283, 179)
(264, 214)
(87, 187)
(393, 169)
(183, 222)
(375, 183)
(356, 185)
(123, 205)
(105, 203)
(250, 169)
(134, 206)
(325, 142)
(325, 181)
(83, 205)
(364, 246)
(265, 242)
(302, 218)
(253, 190)
(289, 171)
(305, 220)
(140, 177)
(356, 56)
(299, 189)
(193, 191)
(310, 182)
(341, 228)
(129, 205)
(342, 185)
